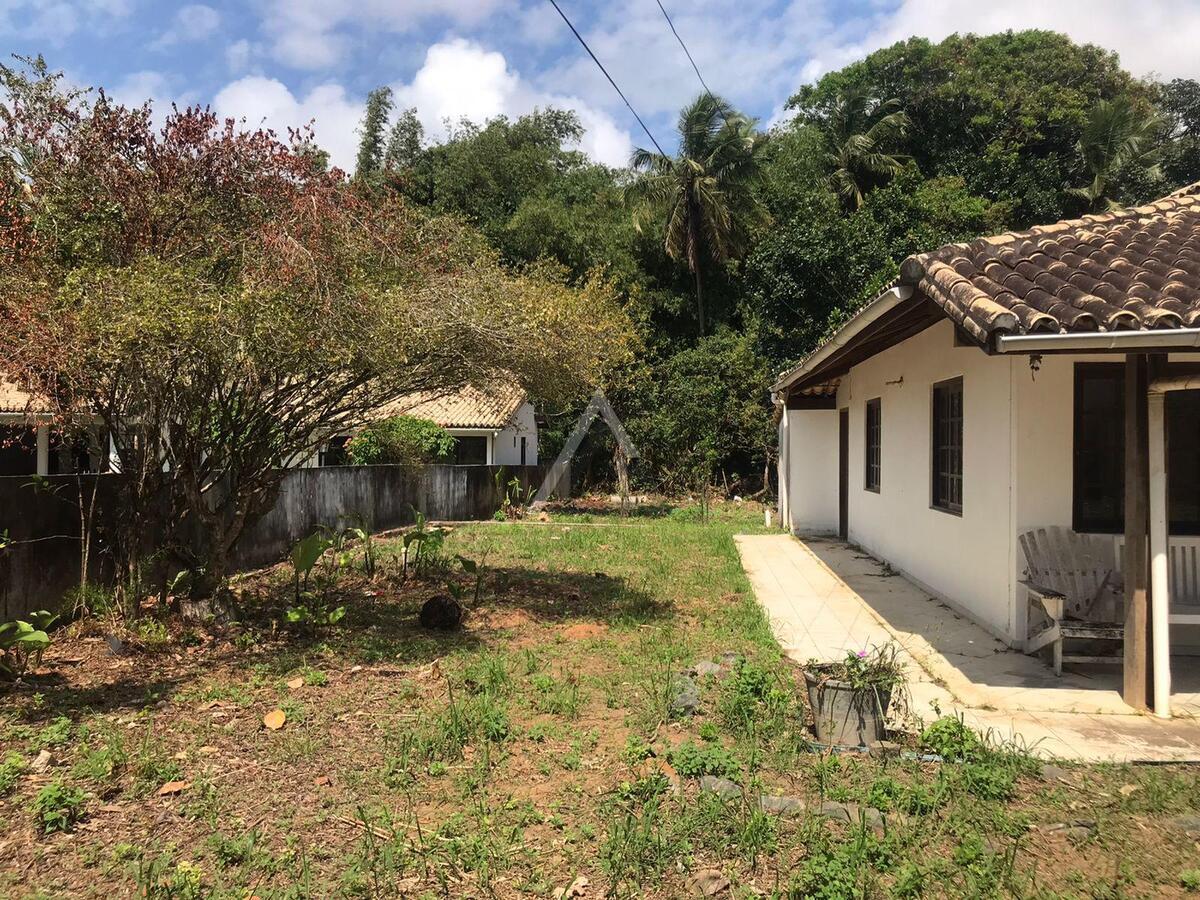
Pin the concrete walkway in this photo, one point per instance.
(826, 598)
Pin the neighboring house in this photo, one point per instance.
(984, 395)
(497, 427)
(28, 445)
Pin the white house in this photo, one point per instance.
(987, 394)
(29, 445)
(495, 427)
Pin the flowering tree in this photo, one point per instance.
(223, 305)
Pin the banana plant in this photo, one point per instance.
(305, 555)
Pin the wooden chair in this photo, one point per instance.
(1074, 580)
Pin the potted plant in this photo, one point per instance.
(850, 699)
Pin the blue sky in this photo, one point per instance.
(284, 62)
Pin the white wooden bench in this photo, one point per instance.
(1074, 580)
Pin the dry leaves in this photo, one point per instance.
(173, 787)
(275, 719)
(576, 888)
(295, 684)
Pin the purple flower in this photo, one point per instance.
(862, 654)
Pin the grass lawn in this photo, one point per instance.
(532, 750)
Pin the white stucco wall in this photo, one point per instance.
(1018, 459)
(506, 447)
(808, 469)
(966, 560)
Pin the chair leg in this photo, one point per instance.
(1058, 655)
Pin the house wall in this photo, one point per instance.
(1018, 460)
(966, 560)
(507, 443)
(808, 470)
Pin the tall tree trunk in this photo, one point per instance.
(699, 298)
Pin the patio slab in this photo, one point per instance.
(825, 598)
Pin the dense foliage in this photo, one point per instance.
(222, 305)
(400, 440)
(916, 145)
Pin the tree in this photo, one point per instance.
(404, 142)
(1178, 105)
(1118, 135)
(860, 136)
(224, 307)
(371, 142)
(705, 195)
(1003, 112)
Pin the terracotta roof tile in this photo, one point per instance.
(1128, 269)
(15, 400)
(468, 407)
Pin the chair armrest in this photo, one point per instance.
(1051, 601)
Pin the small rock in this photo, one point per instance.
(706, 667)
(1126, 789)
(1076, 831)
(884, 748)
(780, 805)
(852, 813)
(722, 787)
(441, 613)
(115, 645)
(729, 658)
(577, 888)
(1052, 772)
(687, 697)
(42, 762)
(708, 883)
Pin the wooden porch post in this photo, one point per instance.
(1137, 685)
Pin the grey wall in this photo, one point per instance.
(41, 562)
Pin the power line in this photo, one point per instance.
(720, 107)
(621, 94)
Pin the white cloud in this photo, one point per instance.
(305, 34)
(138, 87)
(461, 79)
(266, 102)
(194, 22)
(237, 55)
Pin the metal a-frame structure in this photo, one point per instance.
(626, 452)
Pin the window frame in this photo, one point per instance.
(1082, 524)
(873, 445)
(936, 475)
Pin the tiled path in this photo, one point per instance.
(825, 598)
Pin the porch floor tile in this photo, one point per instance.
(825, 598)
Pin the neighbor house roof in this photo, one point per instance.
(468, 407)
(1128, 270)
(15, 400)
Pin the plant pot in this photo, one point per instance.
(843, 715)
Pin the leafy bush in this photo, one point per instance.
(57, 807)
(23, 641)
(11, 770)
(950, 738)
(866, 670)
(400, 440)
(692, 761)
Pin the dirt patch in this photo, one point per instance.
(582, 631)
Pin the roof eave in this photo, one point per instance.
(866, 316)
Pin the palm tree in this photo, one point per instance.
(859, 136)
(705, 194)
(1117, 135)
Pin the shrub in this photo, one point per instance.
(691, 761)
(57, 807)
(950, 738)
(400, 440)
(11, 771)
